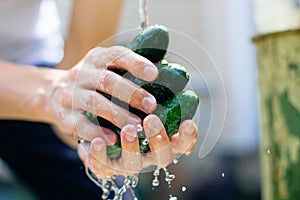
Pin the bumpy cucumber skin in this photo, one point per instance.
(171, 79)
(181, 107)
(152, 43)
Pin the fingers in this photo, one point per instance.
(87, 130)
(131, 158)
(184, 141)
(117, 86)
(158, 141)
(132, 162)
(125, 59)
(99, 105)
(96, 159)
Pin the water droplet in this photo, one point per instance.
(176, 158)
(159, 137)
(268, 151)
(156, 172)
(169, 178)
(139, 128)
(183, 189)
(155, 182)
(172, 197)
(115, 112)
(122, 190)
(80, 140)
(146, 141)
(135, 181)
(108, 185)
(223, 175)
(175, 161)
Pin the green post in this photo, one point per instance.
(278, 57)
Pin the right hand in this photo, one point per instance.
(161, 154)
(75, 91)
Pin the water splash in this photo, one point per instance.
(145, 141)
(183, 188)
(223, 175)
(168, 177)
(139, 128)
(108, 185)
(172, 197)
(155, 181)
(176, 158)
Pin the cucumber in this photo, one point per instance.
(151, 43)
(175, 105)
(171, 79)
(181, 107)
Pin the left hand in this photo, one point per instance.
(162, 148)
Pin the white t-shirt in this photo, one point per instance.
(30, 32)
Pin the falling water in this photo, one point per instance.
(144, 20)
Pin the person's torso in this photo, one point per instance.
(30, 31)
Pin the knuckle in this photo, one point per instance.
(95, 56)
(73, 73)
(95, 51)
(90, 100)
(116, 52)
(107, 81)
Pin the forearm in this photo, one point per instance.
(91, 23)
(25, 92)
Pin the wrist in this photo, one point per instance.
(38, 101)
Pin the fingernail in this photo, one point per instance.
(154, 126)
(130, 134)
(134, 120)
(111, 137)
(149, 103)
(189, 129)
(150, 72)
(98, 145)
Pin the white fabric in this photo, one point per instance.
(30, 31)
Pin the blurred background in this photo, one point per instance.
(213, 40)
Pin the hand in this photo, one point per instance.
(75, 91)
(162, 149)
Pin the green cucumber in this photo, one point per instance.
(171, 79)
(151, 43)
(181, 107)
(175, 105)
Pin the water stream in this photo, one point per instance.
(144, 19)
